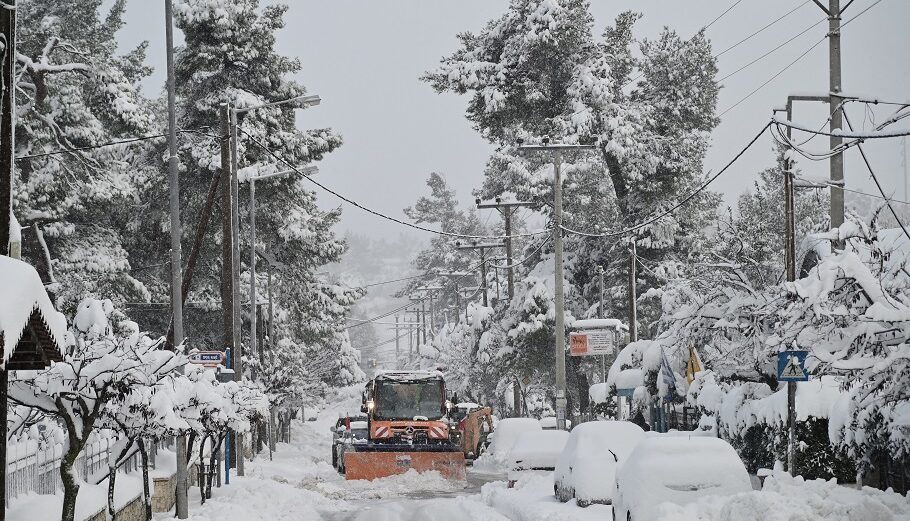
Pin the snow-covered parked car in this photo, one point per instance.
(505, 435)
(679, 470)
(588, 463)
(535, 452)
(549, 423)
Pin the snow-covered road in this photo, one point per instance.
(300, 484)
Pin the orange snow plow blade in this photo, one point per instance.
(372, 465)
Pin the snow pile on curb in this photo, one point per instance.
(532, 499)
(411, 482)
(785, 498)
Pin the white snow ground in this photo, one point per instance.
(299, 484)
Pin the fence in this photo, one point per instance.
(32, 468)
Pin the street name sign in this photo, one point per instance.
(207, 358)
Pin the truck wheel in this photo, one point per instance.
(334, 458)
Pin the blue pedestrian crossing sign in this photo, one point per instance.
(791, 366)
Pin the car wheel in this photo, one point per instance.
(334, 458)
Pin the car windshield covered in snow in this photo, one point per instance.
(409, 399)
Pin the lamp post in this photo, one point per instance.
(302, 101)
(307, 171)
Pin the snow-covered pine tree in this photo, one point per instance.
(538, 70)
(76, 91)
(441, 209)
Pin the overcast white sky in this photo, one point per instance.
(364, 58)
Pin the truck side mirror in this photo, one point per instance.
(332, 428)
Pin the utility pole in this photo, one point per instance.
(397, 341)
(790, 253)
(600, 314)
(229, 339)
(255, 349)
(482, 248)
(454, 276)
(556, 152)
(633, 293)
(420, 323)
(235, 275)
(176, 233)
(466, 294)
(834, 12)
(7, 170)
(507, 209)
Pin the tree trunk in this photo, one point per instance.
(146, 492)
(70, 482)
(213, 461)
(112, 463)
(198, 241)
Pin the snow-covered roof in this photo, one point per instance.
(599, 323)
(24, 301)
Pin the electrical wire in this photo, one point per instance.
(704, 28)
(721, 15)
(380, 214)
(772, 51)
(877, 183)
(383, 283)
(798, 58)
(524, 259)
(110, 144)
(858, 136)
(772, 78)
(756, 33)
(679, 203)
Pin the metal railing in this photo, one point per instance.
(32, 468)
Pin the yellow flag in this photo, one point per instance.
(693, 366)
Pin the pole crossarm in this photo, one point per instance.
(557, 147)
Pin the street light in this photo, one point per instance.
(304, 101)
(307, 171)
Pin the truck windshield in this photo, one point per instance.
(405, 400)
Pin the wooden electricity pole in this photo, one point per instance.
(482, 248)
(507, 209)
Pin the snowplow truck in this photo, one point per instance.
(406, 419)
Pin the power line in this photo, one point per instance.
(704, 28)
(877, 184)
(772, 51)
(380, 214)
(772, 78)
(524, 259)
(721, 15)
(383, 283)
(680, 203)
(798, 58)
(384, 315)
(125, 141)
(756, 33)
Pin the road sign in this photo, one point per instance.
(592, 342)
(207, 358)
(791, 366)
